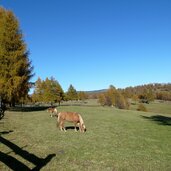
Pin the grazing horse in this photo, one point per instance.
(70, 117)
(52, 110)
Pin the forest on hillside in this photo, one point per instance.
(157, 91)
(142, 94)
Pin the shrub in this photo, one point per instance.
(141, 107)
(121, 102)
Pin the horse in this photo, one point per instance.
(52, 110)
(70, 117)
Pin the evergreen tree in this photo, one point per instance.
(72, 93)
(37, 94)
(15, 66)
(59, 93)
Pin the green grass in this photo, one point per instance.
(115, 140)
(155, 107)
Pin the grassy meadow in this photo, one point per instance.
(118, 140)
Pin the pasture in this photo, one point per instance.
(115, 140)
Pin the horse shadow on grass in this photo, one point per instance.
(15, 164)
(161, 120)
(71, 128)
(6, 132)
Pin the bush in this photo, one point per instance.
(121, 102)
(113, 98)
(141, 107)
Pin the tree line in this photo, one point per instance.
(50, 91)
(121, 98)
(149, 92)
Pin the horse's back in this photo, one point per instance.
(69, 116)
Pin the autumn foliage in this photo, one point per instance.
(112, 97)
(15, 66)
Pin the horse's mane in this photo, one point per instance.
(81, 119)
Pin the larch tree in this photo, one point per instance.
(48, 91)
(15, 66)
(53, 91)
(37, 94)
(72, 93)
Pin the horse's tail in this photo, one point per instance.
(82, 125)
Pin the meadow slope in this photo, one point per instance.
(115, 140)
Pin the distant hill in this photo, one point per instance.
(96, 91)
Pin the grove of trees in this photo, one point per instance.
(112, 97)
(48, 91)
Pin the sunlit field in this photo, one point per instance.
(115, 140)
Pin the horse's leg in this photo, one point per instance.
(63, 126)
(60, 125)
(51, 114)
(78, 124)
(58, 121)
(75, 124)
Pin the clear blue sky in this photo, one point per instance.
(92, 44)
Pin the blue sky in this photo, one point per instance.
(92, 44)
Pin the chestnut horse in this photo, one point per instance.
(70, 117)
(52, 110)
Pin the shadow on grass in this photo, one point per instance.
(161, 120)
(15, 164)
(83, 105)
(28, 109)
(6, 132)
(71, 127)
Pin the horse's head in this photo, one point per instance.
(83, 128)
(55, 110)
